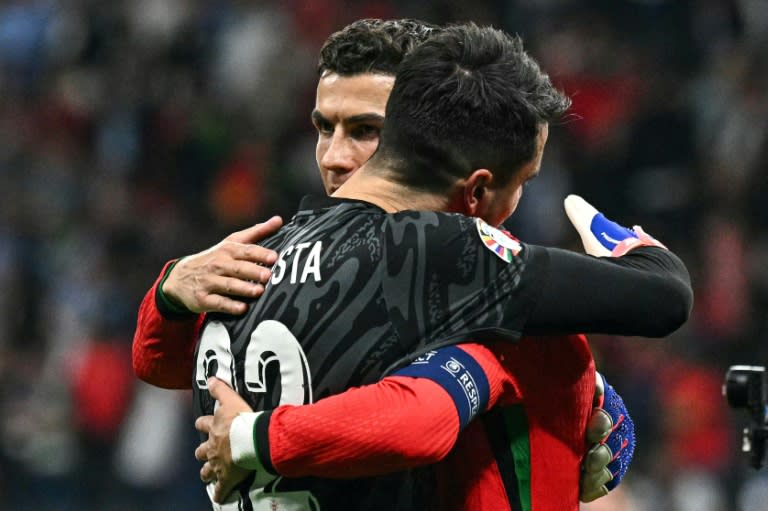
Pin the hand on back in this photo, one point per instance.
(219, 469)
(222, 277)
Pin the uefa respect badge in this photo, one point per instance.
(498, 241)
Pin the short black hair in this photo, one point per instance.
(470, 97)
(372, 46)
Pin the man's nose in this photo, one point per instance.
(339, 157)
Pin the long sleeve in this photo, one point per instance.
(646, 292)
(164, 342)
(397, 423)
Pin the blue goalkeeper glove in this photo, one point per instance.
(602, 237)
(613, 432)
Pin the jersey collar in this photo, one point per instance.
(316, 202)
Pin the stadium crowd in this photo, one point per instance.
(131, 132)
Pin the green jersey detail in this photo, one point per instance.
(516, 424)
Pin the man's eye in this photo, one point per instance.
(325, 128)
(365, 132)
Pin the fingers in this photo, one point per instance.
(217, 493)
(597, 459)
(599, 426)
(241, 264)
(203, 424)
(201, 452)
(600, 236)
(221, 490)
(581, 214)
(214, 385)
(222, 392)
(218, 287)
(236, 270)
(240, 260)
(232, 259)
(578, 210)
(225, 304)
(595, 473)
(253, 253)
(213, 280)
(233, 286)
(228, 399)
(207, 474)
(222, 294)
(257, 232)
(244, 261)
(588, 494)
(594, 480)
(647, 238)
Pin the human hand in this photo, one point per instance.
(611, 433)
(602, 237)
(219, 469)
(209, 280)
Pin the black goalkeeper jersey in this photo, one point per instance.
(356, 292)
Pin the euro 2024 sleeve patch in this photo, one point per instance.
(498, 241)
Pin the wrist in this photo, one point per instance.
(167, 305)
(244, 444)
(241, 441)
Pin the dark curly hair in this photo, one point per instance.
(372, 46)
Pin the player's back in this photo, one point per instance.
(320, 327)
(323, 292)
(355, 291)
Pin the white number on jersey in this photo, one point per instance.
(271, 342)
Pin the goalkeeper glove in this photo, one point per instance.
(611, 428)
(602, 237)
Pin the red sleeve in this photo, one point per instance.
(397, 423)
(163, 348)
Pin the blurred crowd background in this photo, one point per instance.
(132, 132)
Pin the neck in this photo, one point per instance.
(372, 186)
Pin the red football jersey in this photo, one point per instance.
(523, 454)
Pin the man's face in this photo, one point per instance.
(348, 115)
(504, 200)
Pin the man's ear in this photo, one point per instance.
(476, 191)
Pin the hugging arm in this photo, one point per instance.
(219, 279)
(164, 340)
(403, 421)
(627, 284)
(646, 292)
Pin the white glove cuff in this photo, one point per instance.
(241, 441)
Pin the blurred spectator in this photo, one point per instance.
(98, 411)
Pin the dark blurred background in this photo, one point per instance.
(135, 131)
